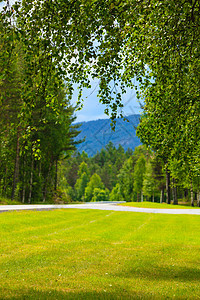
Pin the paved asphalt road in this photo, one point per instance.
(100, 206)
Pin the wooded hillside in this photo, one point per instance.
(99, 133)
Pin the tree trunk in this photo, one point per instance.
(198, 197)
(56, 176)
(153, 197)
(174, 192)
(138, 197)
(16, 169)
(24, 181)
(31, 182)
(23, 193)
(195, 196)
(162, 195)
(168, 187)
(46, 182)
(5, 181)
(186, 194)
(141, 196)
(24, 188)
(192, 194)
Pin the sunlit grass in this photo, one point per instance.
(147, 204)
(92, 254)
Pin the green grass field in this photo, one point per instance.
(147, 204)
(92, 254)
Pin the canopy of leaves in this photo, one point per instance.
(155, 42)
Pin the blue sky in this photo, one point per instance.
(4, 2)
(93, 110)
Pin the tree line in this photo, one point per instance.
(35, 118)
(117, 175)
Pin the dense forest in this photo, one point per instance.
(49, 46)
(117, 175)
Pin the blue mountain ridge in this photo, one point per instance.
(99, 133)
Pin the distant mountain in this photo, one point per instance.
(99, 133)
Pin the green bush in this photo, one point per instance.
(100, 195)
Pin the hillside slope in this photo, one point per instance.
(99, 133)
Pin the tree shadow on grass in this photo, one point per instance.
(154, 272)
(58, 295)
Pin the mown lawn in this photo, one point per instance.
(147, 204)
(92, 254)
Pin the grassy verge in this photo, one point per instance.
(6, 201)
(147, 204)
(91, 254)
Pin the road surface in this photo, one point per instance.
(101, 206)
